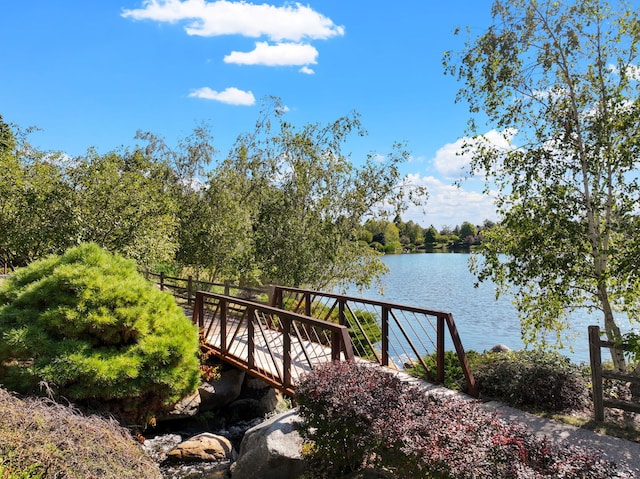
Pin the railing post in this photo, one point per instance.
(286, 351)
(189, 289)
(200, 310)
(440, 350)
(223, 326)
(161, 281)
(342, 318)
(595, 356)
(385, 336)
(336, 346)
(307, 303)
(226, 287)
(251, 343)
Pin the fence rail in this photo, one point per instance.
(184, 289)
(275, 345)
(406, 334)
(598, 375)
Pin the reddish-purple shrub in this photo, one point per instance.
(359, 415)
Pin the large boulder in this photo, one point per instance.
(187, 407)
(219, 392)
(271, 450)
(203, 447)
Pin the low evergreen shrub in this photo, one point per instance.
(88, 327)
(359, 416)
(541, 380)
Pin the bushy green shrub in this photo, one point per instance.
(361, 416)
(93, 330)
(43, 440)
(542, 380)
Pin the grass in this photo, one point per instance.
(614, 424)
(41, 439)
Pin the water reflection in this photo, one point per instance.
(442, 281)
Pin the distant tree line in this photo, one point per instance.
(398, 236)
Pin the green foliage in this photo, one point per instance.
(453, 375)
(545, 381)
(90, 327)
(632, 341)
(364, 329)
(30, 472)
(558, 82)
(126, 203)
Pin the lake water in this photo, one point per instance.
(442, 281)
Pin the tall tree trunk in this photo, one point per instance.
(611, 329)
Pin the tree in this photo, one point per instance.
(468, 232)
(431, 235)
(88, 325)
(301, 200)
(36, 211)
(560, 80)
(126, 203)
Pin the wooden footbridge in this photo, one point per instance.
(280, 334)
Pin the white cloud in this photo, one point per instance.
(280, 54)
(288, 22)
(231, 96)
(307, 71)
(450, 161)
(449, 205)
(453, 159)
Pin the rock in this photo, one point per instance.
(185, 408)
(245, 409)
(255, 383)
(271, 450)
(273, 400)
(500, 348)
(217, 393)
(203, 447)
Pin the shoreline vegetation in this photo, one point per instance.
(398, 236)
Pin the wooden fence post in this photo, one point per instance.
(596, 372)
(189, 289)
(161, 281)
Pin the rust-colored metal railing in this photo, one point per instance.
(393, 335)
(276, 345)
(184, 289)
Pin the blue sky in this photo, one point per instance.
(92, 73)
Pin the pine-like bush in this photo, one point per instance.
(89, 327)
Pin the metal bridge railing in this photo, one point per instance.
(391, 334)
(275, 345)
